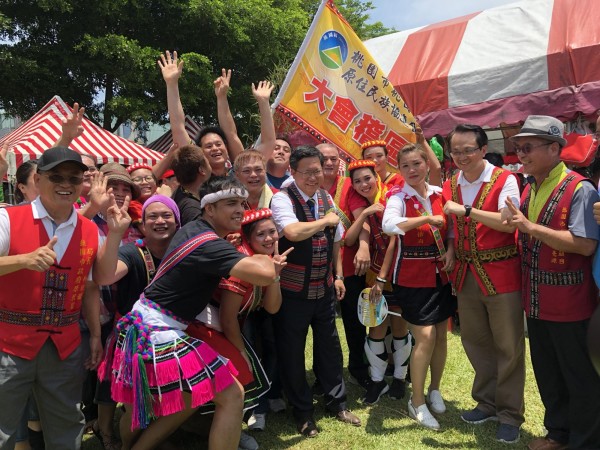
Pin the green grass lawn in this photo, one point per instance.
(387, 425)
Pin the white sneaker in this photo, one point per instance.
(423, 416)
(247, 442)
(436, 402)
(277, 404)
(256, 422)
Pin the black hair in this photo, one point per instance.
(304, 151)
(495, 158)
(249, 227)
(282, 137)
(480, 135)
(210, 129)
(23, 173)
(220, 183)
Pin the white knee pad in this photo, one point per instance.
(402, 349)
(378, 365)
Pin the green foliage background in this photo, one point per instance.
(81, 50)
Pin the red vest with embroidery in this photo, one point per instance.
(490, 255)
(38, 305)
(419, 254)
(557, 286)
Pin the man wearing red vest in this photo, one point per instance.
(487, 278)
(557, 237)
(46, 252)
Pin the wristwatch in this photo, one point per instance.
(339, 277)
(468, 209)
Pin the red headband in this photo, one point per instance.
(137, 166)
(254, 215)
(368, 144)
(360, 164)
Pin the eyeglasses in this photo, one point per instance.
(526, 149)
(465, 152)
(92, 169)
(310, 173)
(59, 179)
(147, 179)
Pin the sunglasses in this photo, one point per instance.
(59, 179)
(526, 149)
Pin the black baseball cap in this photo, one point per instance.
(58, 155)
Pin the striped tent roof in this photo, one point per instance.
(43, 129)
(163, 143)
(498, 65)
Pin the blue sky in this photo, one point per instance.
(406, 14)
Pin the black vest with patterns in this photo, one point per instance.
(308, 273)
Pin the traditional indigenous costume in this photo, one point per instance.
(155, 360)
(207, 326)
(378, 244)
(421, 288)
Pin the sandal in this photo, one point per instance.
(108, 441)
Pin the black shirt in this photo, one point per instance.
(189, 206)
(133, 284)
(187, 288)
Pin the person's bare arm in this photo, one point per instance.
(106, 267)
(90, 306)
(226, 122)
(39, 260)
(72, 127)
(560, 240)
(435, 167)
(262, 94)
(360, 222)
(491, 219)
(377, 288)
(256, 269)
(171, 69)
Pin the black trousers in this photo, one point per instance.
(355, 331)
(291, 328)
(568, 384)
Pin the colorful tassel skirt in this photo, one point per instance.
(152, 374)
(254, 379)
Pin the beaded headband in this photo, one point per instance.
(360, 164)
(254, 215)
(377, 143)
(137, 166)
(222, 195)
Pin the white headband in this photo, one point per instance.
(221, 195)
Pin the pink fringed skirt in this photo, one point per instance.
(152, 376)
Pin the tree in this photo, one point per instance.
(102, 53)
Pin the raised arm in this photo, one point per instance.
(106, 268)
(226, 122)
(72, 127)
(262, 94)
(435, 167)
(172, 69)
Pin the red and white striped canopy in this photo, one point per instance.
(499, 65)
(42, 131)
(163, 143)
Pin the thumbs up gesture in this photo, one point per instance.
(42, 258)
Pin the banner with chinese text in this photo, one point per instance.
(336, 92)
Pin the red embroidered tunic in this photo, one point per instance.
(490, 255)
(557, 286)
(419, 252)
(35, 306)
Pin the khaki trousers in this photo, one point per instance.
(494, 340)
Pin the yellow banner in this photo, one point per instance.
(336, 91)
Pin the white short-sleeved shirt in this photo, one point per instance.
(283, 211)
(469, 190)
(395, 209)
(64, 231)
